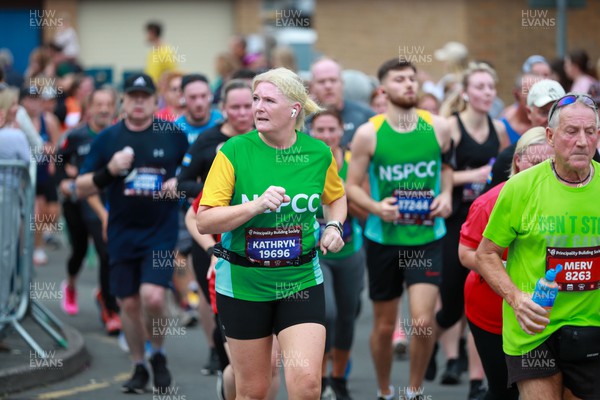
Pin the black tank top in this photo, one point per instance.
(471, 155)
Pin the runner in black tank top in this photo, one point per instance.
(478, 140)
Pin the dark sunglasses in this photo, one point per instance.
(570, 99)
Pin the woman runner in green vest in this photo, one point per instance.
(262, 194)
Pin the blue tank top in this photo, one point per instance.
(513, 135)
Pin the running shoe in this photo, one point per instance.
(399, 341)
(113, 324)
(451, 375)
(69, 299)
(123, 342)
(213, 364)
(160, 374)
(220, 386)
(477, 391)
(340, 388)
(390, 396)
(40, 257)
(327, 392)
(138, 381)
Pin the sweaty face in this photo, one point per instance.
(238, 108)
(576, 137)
(197, 101)
(401, 87)
(328, 129)
(326, 85)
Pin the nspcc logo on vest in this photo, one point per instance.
(300, 202)
(422, 169)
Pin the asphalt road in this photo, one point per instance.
(187, 352)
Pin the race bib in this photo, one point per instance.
(414, 206)
(471, 191)
(271, 244)
(346, 234)
(581, 267)
(144, 181)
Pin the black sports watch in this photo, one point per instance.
(336, 224)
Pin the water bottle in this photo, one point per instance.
(127, 150)
(546, 288)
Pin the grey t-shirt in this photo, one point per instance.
(354, 114)
(13, 145)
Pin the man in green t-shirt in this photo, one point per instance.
(401, 152)
(546, 216)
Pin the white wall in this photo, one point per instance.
(112, 32)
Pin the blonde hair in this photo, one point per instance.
(533, 136)
(292, 87)
(455, 101)
(8, 97)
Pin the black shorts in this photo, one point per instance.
(244, 320)
(390, 266)
(126, 276)
(581, 377)
(47, 189)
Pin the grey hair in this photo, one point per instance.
(555, 120)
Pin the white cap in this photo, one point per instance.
(544, 92)
(453, 51)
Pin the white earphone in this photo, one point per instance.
(293, 112)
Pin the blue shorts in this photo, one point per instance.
(156, 267)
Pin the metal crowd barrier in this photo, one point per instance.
(17, 195)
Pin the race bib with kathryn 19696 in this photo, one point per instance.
(265, 244)
(581, 267)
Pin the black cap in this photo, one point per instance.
(139, 83)
(187, 79)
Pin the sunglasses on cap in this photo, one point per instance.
(570, 99)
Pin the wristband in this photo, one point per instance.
(102, 178)
(210, 251)
(338, 225)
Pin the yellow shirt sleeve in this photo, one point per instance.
(334, 188)
(218, 189)
(160, 60)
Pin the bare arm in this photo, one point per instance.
(205, 241)
(332, 238)
(226, 218)
(442, 204)
(363, 145)
(467, 256)
(96, 205)
(84, 185)
(488, 263)
(120, 161)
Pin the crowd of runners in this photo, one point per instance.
(262, 204)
